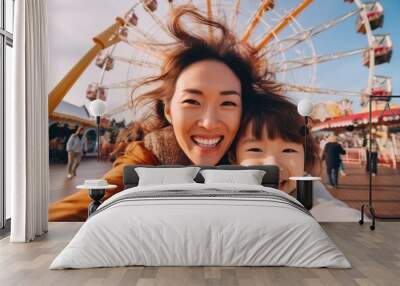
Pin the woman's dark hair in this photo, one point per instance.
(279, 117)
(190, 48)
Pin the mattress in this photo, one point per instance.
(201, 225)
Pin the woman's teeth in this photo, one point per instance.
(207, 142)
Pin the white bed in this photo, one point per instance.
(244, 228)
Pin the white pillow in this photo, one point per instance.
(248, 177)
(162, 176)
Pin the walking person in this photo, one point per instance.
(74, 148)
(374, 155)
(331, 155)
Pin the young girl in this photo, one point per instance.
(271, 134)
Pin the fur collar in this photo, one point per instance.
(162, 143)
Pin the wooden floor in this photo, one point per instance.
(374, 255)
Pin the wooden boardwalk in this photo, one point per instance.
(353, 188)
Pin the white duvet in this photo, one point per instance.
(200, 231)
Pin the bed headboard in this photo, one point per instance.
(270, 179)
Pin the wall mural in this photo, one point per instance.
(217, 83)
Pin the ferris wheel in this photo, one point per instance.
(134, 46)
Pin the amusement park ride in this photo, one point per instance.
(273, 33)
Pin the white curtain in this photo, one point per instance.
(27, 124)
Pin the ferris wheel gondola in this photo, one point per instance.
(381, 90)
(375, 15)
(382, 50)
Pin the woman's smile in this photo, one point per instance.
(207, 142)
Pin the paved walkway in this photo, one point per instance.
(61, 186)
(353, 188)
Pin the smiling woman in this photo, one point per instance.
(205, 111)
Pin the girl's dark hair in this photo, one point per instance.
(191, 47)
(279, 116)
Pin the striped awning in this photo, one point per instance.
(359, 119)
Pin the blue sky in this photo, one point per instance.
(347, 73)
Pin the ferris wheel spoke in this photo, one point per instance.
(132, 83)
(209, 9)
(283, 23)
(119, 109)
(300, 37)
(144, 48)
(158, 46)
(219, 8)
(144, 34)
(235, 13)
(309, 89)
(131, 25)
(264, 6)
(137, 62)
(305, 62)
(209, 16)
(155, 18)
(125, 107)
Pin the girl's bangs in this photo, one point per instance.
(277, 125)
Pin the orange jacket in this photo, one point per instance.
(119, 149)
(75, 207)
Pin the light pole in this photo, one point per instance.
(369, 143)
(98, 109)
(305, 108)
(304, 184)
